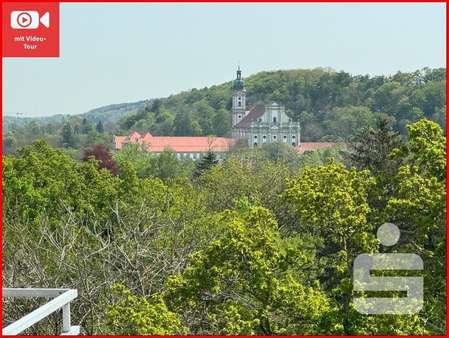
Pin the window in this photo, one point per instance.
(240, 116)
(274, 119)
(293, 137)
(264, 139)
(294, 144)
(255, 144)
(240, 104)
(255, 137)
(275, 137)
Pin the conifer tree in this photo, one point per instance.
(205, 164)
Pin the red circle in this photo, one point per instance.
(29, 19)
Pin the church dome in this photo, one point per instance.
(238, 84)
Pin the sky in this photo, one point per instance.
(116, 52)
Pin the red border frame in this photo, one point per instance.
(237, 1)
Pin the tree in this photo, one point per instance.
(279, 152)
(133, 315)
(101, 154)
(371, 147)
(67, 136)
(100, 128)
(425, 148)
(86, 126)
(140, 159)
(221, 122)
(183, 124)
(205, 164)
(166, 165)
(333, 201)
(245, 282)
(345, 121)
(156, 106)
(418, 207)
(51, 184)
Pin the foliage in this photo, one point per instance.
(334, 201)
(205, 164)
(67, 137)
(261, 242)
(101, 154)
(165, 166)
(48, 180)
(371, 147)
(132, 315)
(244, 282)
(418, 206)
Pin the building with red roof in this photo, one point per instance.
(262, 124)
(193, 147)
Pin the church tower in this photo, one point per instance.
(238, 99)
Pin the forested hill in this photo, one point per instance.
(330, 105)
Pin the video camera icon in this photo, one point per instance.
(29, 20)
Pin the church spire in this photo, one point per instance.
(238, 82)
(239, 73)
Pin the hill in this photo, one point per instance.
(330, 105)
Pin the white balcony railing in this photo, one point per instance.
(60, 299)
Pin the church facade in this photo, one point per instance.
(262, 124)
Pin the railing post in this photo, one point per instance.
(66, 325)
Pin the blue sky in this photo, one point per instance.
(113, 53)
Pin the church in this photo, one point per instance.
(262, 123)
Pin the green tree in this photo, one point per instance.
(205, 164)
(166, 166)
(99, 128)
(221, 122)
(141, 159)
(418, 207)
(51, 184)
(183, 124)
(133, 315)
(333, 201)
(67, 136)
(371, 147)
(345, 121)
(245, 282)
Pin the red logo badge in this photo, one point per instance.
(30, 29)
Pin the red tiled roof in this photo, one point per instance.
(309, 146)
(119, 140)
(254, 113)
(179, 144)
(135, 136)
